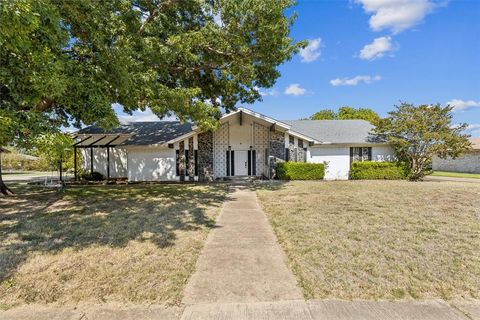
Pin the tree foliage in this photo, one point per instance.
(55, 147)
(419, 132)
(66, 62)
(75, 58)
(347, 113)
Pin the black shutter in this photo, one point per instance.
(228, 163)
(369, 153)
(187, 163)
(249, 161)
(351, 154)
(232, 155)
(254, 162)
(195, 155)
(177, 162)
(287, 154)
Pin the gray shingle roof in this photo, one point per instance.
(158, 132)
(335, 131)
(145, 133)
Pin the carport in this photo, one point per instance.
(92, 141)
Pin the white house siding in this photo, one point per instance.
(383, 153)
(337, 160)
(156, 164)
(118, 161)
(469, 163)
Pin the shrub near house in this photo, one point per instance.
(371, 170)
(300, 171)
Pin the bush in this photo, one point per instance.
(300, 171)
(91, 176)
(370, 170)
(15, 161)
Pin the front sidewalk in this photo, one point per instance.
(241, 260)
(279, 310)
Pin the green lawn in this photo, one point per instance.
(103, 244)
(379, 239)
(456, 174)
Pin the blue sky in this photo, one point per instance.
(370, 53)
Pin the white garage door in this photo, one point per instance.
(151, 165)
(337, 159)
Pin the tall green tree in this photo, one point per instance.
(71, 60)
(347, 113)
(326, 114)
(419, 132)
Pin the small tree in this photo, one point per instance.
(56, 149)
(419, 132)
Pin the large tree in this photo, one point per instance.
(417, 133)
(347, 113)
(71, 60)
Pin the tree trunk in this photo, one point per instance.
(3, 187)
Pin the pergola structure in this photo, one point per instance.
(91, 141)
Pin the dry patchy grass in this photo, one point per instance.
(379, 239)
(103, 244)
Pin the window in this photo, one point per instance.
(360, 154)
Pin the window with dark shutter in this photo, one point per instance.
(228, 163)
(360, 154)
(195, 155)
(254, 162)
(177, 162)
(249, 162)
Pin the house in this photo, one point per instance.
(468, 162)
(246, 143)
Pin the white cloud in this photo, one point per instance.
(377, 48)
(312, 51)
(354, 81)
(397, 15)
(267, 93)
(474, 129)
(295, 90)
(462, 105)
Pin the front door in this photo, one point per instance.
(241, 163)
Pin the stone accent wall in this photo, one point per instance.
(277, 145)
(191, 160)
(205, 156)
(291, 148)
(181, 160)
(468, 162)
(301, 152)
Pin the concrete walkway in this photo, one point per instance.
(279, 310)
(241, 260)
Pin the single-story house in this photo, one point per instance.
(246, 143)
(468, 162)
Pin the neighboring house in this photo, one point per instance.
(246, 143)
(468, 162)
